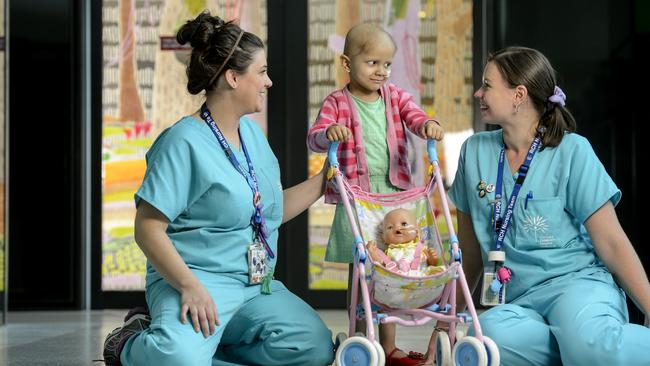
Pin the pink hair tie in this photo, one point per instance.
(558, 96)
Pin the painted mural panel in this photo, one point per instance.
(433, 63)
(143, 93)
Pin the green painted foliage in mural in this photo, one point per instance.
(195, 6)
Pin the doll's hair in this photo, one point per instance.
(379, 235)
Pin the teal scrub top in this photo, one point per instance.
(207, 201)
(546, 237)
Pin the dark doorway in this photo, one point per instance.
(44, 262)
(598, 48)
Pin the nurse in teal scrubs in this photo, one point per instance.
(208, 213)
(535, 195)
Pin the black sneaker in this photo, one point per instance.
(134, 322)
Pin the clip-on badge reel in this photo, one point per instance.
(493, 291)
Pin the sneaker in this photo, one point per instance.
(134, 322)
(136, 310)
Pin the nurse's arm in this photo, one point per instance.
(615, 250)
(151, 236)
(303, 195)
(472, 262)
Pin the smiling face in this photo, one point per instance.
(496, 98)
(370, 68)
(254, 84)
(400, 227)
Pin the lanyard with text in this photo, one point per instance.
(501, 227)
(257, 220)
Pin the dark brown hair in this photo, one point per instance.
(212, 40)
(530, 68)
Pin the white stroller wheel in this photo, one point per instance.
(381, 356)
(469, 351)
(443, 349)
(494, 359)
(356, 351)
(461, 331)
(340, 338)
(459, 334)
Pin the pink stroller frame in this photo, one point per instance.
(390, 297)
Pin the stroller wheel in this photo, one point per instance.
(492, 352)
(443, 349)
(339, 339)
(459, 335)
(356, 351)
(381, 356)
(469, 351)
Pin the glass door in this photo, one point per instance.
(433, 63)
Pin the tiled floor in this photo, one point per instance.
(76, 337)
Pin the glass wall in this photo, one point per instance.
(143, 93)
(433, 63)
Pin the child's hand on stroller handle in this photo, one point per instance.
(338, 133)
(432, 130)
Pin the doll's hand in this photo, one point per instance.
(371, 244)
(433, 259)
(338, 133)
(373, 251)
(432, 130)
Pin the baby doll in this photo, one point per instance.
(402, 236)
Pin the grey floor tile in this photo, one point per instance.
(73, 338)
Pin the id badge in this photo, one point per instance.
(488, 295)
(257, 263)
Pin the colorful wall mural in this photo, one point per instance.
(143, 93)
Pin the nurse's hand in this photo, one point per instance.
(197, 300)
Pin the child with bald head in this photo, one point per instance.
(369, 117)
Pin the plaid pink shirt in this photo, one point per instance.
(338, 108)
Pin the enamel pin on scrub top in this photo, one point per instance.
(481, 188)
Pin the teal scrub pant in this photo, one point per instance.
(578, 319)
(256, 329)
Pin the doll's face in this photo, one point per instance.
(399, 227)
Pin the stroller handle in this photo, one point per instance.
(334, 146)
(431, 149)
(331, 153)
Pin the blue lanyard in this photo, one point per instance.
(501, 227)
(258, 222)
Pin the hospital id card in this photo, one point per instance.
(488, 296)
(257, 263)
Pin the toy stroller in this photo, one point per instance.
(390, 296)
